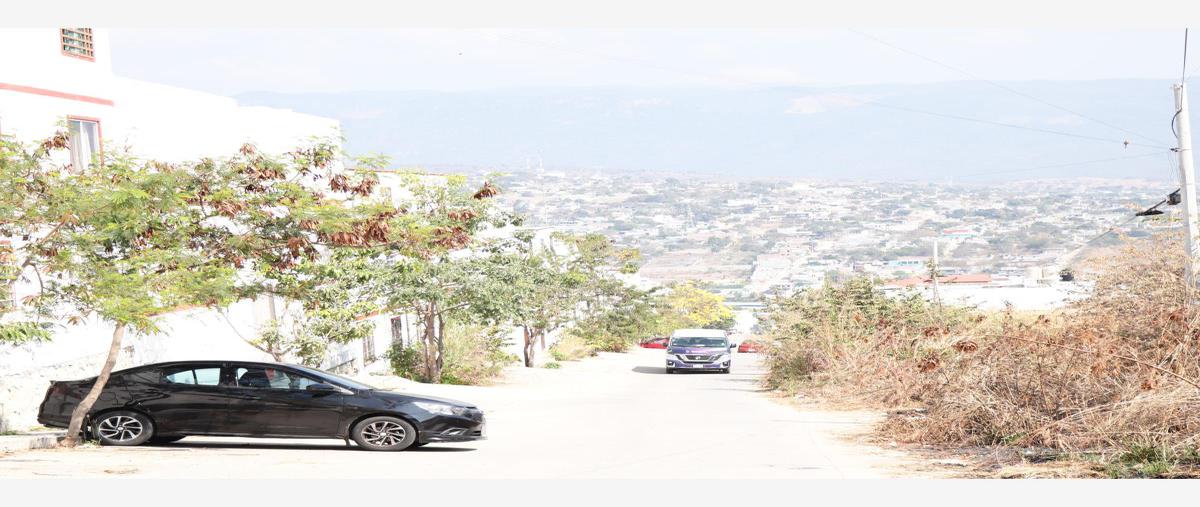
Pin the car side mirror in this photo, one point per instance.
(321, 388)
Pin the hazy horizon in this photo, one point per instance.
(880, 104)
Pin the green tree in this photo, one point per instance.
(129, 240)
(122, 242)
(449, 276)
(544, 291)
(688, 306)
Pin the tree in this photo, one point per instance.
(543, 291)
(689, 306)
(129, 240)
(294, 216)
(122, 242)
(24, 215)
(448, 276)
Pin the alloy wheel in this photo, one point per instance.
(120, 428)
(383, 433)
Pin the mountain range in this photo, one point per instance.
(965, 131)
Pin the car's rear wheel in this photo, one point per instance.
(384, 433)
(123, 427)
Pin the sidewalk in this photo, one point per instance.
(27, 441)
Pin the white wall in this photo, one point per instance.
(151, 121)
(33, 57)
(79, 351)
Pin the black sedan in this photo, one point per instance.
(165, 402)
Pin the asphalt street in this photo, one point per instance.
(613, 416)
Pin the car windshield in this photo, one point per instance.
(336, 379)
(699, 342)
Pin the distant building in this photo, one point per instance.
(973, 279)
(906, 264)
(958, 233)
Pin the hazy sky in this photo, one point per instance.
(330, 60)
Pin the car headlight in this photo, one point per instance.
(440, 408)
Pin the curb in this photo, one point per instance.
(44, 440)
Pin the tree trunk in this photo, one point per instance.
(441, 345)
(85, 405)
(433, 373)
(542, 339)
(529, 342)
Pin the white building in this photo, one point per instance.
(61, 80)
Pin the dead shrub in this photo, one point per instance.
(1115, 371)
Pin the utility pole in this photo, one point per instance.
(1187, 180)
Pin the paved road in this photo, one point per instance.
(614, 416)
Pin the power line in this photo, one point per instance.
(1183, 72)
(1066, 164)
(1000, 86)
(1112, 228)
(1008, 125)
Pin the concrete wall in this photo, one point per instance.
(79, 351)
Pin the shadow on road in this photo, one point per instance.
(649, 369)
(296, 447)
(657, 370)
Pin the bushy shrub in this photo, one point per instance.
(597, 335)
(552, 365)
(474, 354)
(571, 348)
(405, 361)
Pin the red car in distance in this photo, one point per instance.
(655, 343)
(751, 346)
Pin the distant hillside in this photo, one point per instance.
(777, 132)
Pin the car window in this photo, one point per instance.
(207, 376)
(330, 378)
(699, 342)
(271, 378)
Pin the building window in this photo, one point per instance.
(85, 142)
(77, 42)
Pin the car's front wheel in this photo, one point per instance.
(123, 427)
(670, 371)
(384, 433)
